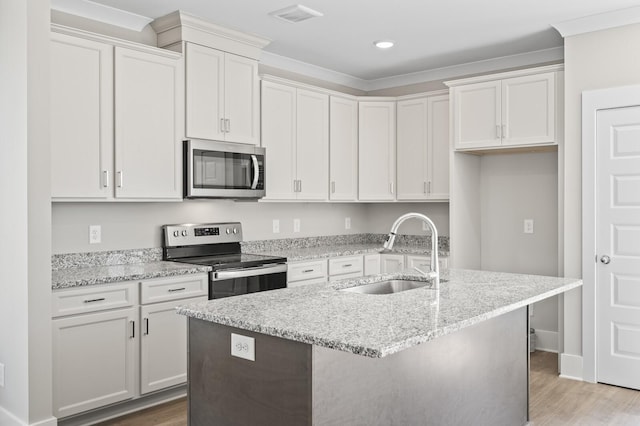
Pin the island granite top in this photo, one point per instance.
(379, 325)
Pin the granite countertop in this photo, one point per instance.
(328, 251)
(380, 325)
(92, 275)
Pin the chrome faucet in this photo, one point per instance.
(434, 270)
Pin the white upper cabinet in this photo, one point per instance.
(295, 132)
(116, 120)
(423, 148)
(343, 149)
(376, 150)
(222, 96)
(512, 111)
(81, 118)
(148, 113)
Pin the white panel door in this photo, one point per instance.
(390, 263)
(205, 92)
(149, 95)
(343, 149)
(163, 345)
(312, 145)
(371, 264)
(81, 118)
(376, 151)
(618, 246)
(412, 149)
(438, 146)
(477, 115)
(528, 110)
(241, 99)
(94, 360)
(279, 139)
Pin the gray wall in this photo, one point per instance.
(25, 246)
(517, 187)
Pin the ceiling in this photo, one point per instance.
(428, 34)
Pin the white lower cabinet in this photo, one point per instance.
(308, 272)
(163, 345)
(103, 340)
(391, 263)
(95, 353)
(371, 264)
(344, 267)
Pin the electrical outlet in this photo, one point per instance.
(276, 226)
(243, 347)
(528, 226)
(347, 223)
(296, 225)
(1, 375)
(95, 234)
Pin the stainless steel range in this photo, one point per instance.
(218, 245)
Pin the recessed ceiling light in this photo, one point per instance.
(383, 44)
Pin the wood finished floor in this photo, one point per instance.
(553, 401)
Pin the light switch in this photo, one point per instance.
(276, 226)
(347, 223)
(243, 347)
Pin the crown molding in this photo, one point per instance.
(555, 54)
(600, 21)
(99, 12)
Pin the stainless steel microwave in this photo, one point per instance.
(223, 170)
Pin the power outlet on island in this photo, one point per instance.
(243, 347)
(95, 234)
(528, 226)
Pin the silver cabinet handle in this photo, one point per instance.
(348, 265)
(295, 185)
(300, 185)
(605, 259)
(391, 187)
(172, 290)
(306, 271)
(133, 329)
(222, 128)
(333, 187)
(429, 187)
(105, 178)
(120, 179)
(94, 300)
(504, 131)
(498, 136)
(146, 326)
(227, 125)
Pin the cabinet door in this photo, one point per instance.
(421, 262)
(343, 149)
(371, 264)
(163, 345)
(528, 110)
(205, 92)
(81, 118)
(241, 99)
(312, 145)
(148, 105)
(94, 360)
(391, 263)
(376, 151)
(412, 149)
(278, 137)
(477, 115)
(438, 148)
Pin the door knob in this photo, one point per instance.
(605, 259)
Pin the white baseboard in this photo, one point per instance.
(547, 341)
(571, 367)
(8, 419)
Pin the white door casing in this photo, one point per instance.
(611, 227)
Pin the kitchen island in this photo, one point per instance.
(324, 356)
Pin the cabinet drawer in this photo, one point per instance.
(307, 270)
(166, 289)
(95, 298)
(345, 265)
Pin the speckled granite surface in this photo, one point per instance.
(74, 277)
(105, 258)
(380, 325)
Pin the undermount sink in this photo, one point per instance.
(388, 287)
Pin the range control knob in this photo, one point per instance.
(176, 233)
(228, 231)
(235, 230)
(185, 233)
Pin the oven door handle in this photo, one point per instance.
(249, 272)
(256, 171)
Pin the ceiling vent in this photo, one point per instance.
(296, 13)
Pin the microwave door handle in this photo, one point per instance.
(256, 171)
